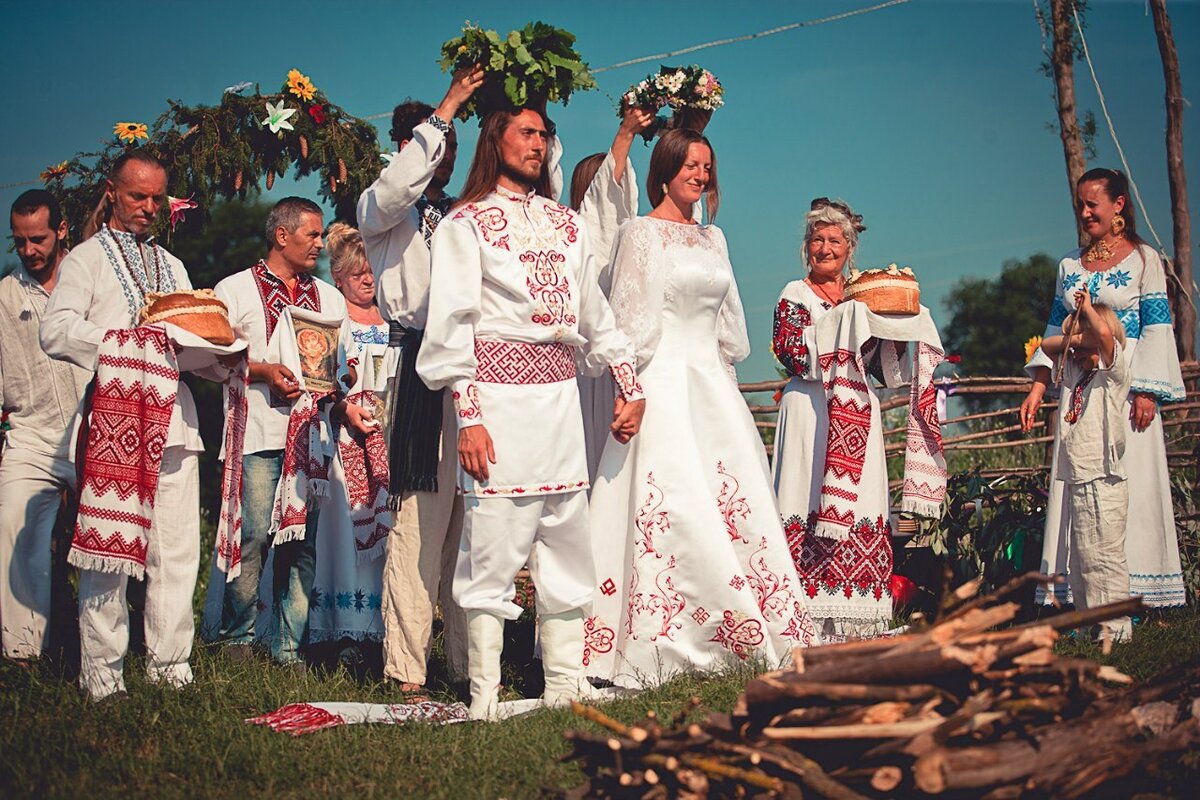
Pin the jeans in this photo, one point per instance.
(294, 565)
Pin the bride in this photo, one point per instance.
(692, 567)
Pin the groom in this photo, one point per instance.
(513, 294)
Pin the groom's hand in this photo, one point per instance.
(475, 451)
(627, 419)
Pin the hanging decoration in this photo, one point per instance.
(692, 93)
(228, 150)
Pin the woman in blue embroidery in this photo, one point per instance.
(1121, 271)
(354, 521)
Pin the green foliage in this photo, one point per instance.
(225, 151)
(991, 528)
(992, 318)
(1187, 527)
(527, 67)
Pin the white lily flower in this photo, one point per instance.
(277, 117)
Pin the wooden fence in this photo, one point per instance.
(1180, 420)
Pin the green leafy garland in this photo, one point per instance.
(536, 64)
(228, 150)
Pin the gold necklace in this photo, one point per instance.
(1100, 251)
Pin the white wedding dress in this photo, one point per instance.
(692, 566)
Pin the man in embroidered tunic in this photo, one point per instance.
(256, 297)
(41, 397)
(102, 286)
(513, 292)
(397, 216)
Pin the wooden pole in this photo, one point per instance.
(1062, 60)
(1180, 268)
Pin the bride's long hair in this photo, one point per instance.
(668, 158)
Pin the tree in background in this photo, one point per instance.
(991, 319)
(230, 240)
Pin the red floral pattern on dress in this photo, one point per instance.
(731, 504)
(523, 363)
(771, 591)
(861, 564)
(467, 405)
(666, 603)
(597, 638)
(563, 220)
(739, 634)
(800, 628)
(788, 340)
(489, 221)
(650, 520)
(549, 287)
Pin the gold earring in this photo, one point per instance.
(1117, 226)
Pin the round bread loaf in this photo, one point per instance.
(886, 291)
(197, 311)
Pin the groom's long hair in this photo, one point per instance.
(488, 165)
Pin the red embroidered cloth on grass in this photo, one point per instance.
(137, 379)
(365, 465)
(229, 524)
(301, 718)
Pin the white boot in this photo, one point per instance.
(562, 658)
(485, 640)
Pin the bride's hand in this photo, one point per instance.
(627, 419)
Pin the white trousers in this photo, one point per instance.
(501, 534)
(419, 568)
(172, 562)
(31, 489)
(1099, 572)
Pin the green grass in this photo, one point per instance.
(161, 742)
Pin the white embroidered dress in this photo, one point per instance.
(692, 566)
(347, 589)
(514, 293)
(1136, 289)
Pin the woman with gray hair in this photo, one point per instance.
(846, 580)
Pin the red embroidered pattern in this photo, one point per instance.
(229, 524)
(787, 338)
(650, 521)
(800, 627)
(739, 634)
(545, 488)
(468, 407)
(549, 287)
(625, 376)
(275, 295)
(1075, 410)
(859, 565)
(365, 466)
(523, 363)
(849, 425)
(489, 221)
(303, 462)
(563, 220)
(597, 638)
(666, 603)
(732, 506)
(128, 420)
(771, 590)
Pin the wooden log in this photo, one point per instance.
(1090, 616)
(764, 691)
(808, 771)
(896, 730)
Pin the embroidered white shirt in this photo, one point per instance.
(1093, 445)
(101, 287)
(40, 394)
(266, 416)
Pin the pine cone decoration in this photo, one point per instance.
(332, 184)
(270, 179)
(303, 147)
(237, 181)
(341, 170)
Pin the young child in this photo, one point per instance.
(1092, 421)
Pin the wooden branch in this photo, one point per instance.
(895, 730)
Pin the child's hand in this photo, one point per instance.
(1083, 300)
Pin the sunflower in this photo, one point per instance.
(1031, 347)
(300, 85)
(130, 132)
(54, 171)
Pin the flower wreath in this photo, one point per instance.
(678, 88)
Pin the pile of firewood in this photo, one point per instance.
(960, 708)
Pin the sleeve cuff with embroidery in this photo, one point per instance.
(441, 124)
(466, 403)
(625, 375)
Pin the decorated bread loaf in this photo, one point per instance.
(198, 312)
(886, 291)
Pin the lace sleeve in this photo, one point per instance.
(731, 321)
(637, 287)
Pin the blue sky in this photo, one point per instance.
(929, 118)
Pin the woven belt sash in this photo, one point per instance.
(523, 363)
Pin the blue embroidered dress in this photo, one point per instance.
(1136, 289)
